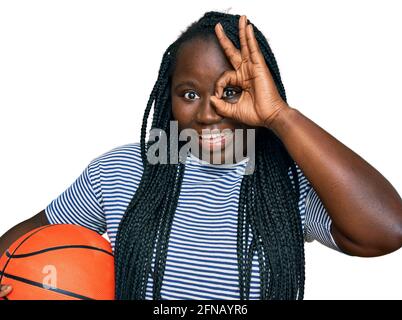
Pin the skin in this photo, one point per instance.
(200, 64)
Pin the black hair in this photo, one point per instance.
(268, 201)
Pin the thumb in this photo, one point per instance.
(5, 290)
(223, 108)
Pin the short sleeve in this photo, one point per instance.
(315, 218)
(79, 204)
(318, 222)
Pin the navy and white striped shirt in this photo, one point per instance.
(202, 258)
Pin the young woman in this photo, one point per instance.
(204, 230)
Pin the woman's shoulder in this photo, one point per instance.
(128, 154)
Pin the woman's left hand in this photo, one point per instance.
(260, 101)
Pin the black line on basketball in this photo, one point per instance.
(24, 255)
(8, 260)
(37, 284)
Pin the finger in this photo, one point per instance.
(230, 50)
(223, 108)
(243, 38)
(228, 77)
(5, 290)
(254, 49)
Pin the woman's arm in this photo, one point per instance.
(365, 209)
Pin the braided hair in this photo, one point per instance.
(268, 201)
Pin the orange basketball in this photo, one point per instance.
(59, 262)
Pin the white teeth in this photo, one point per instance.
(213, 135)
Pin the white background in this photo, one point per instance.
(75, 77)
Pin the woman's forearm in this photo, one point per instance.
(365, 209)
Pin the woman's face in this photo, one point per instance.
(199, 64)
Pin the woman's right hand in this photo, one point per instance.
(5, 290)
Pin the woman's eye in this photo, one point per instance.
(191, 95)
(229, 93)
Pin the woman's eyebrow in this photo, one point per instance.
(189, 83)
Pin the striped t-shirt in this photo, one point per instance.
(202, 258)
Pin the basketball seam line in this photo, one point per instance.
(19, 245)
(37, 284)
(24, 255)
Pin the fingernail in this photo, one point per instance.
(220, 26)
(5, 287)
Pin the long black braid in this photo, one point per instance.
(268, 201)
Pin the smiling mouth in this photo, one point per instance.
(215, 140)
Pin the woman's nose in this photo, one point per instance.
(206, 112)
